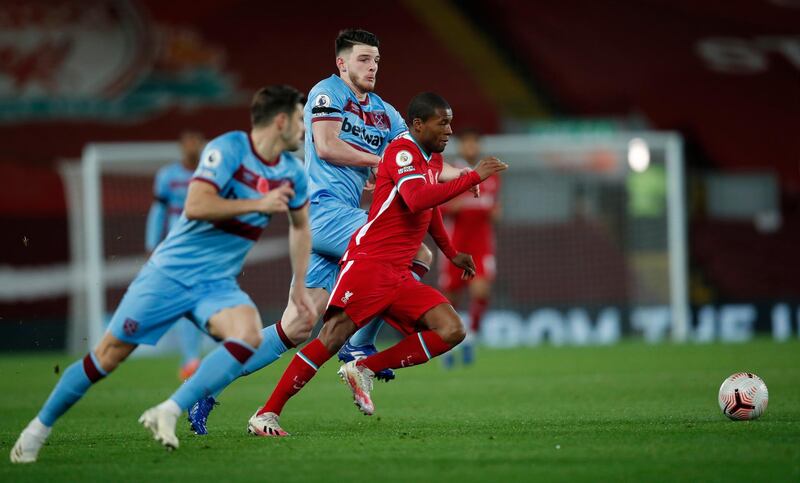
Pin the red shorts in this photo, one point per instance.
(366, 289)
(450, 275)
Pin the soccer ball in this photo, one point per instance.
(743, 396)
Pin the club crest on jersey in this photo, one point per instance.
(213, 158)
(403, 159)
(130, 326)
(379, 120)
(322, 101)
(346, 297)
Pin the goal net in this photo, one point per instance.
(583, 235)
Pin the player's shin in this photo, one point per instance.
(273, 345)
(77, 379)
(415, 349)
(217, 370)
(302, 368)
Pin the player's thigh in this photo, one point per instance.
(338, 327)
(322, 272)
(445, 321)
(150, 306)
(224, 310)
(332, 226)
(413, 301)
(363, 290)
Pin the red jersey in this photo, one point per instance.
(472, 228)
(405, 206)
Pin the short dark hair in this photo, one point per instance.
(347, 38)
(270, 101)
(424, 105)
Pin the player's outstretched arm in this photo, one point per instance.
(419, 195)
(450, 172)
(333, 150)
(299, 250)
(203, 202)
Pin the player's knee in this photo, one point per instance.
(297, 329)
(453, 332)
(110, 352)
(299, 333)
(250, 333)
(455, 335)
(424, 255)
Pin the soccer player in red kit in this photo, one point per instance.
(375, 279)
(471, 227)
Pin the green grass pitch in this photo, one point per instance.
(631, 412)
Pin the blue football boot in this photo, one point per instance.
(198, 414)
(350, 352)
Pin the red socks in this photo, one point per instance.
(415, 349)
(476, 310)
(302, 368)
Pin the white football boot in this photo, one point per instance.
(359, 380)
(265, 425)
(30, 441)
(161, 421)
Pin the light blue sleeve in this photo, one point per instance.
(300, 180)
(326, 103)
(156, 217)
(398, 123)
(218, 163)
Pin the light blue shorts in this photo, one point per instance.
(332, 226)
(155, 301)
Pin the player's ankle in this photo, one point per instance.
(170, 407)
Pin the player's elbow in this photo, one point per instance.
(192, 212)
(323, 148)
(414, 207)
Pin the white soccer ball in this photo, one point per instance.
(743, 396)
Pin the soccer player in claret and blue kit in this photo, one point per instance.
(170, 186)
(242, 180)
(374, 278)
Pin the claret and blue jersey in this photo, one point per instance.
(367, 125)
(169, 189)
(198, 250)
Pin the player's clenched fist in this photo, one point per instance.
(276, 200)
(489, 166)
